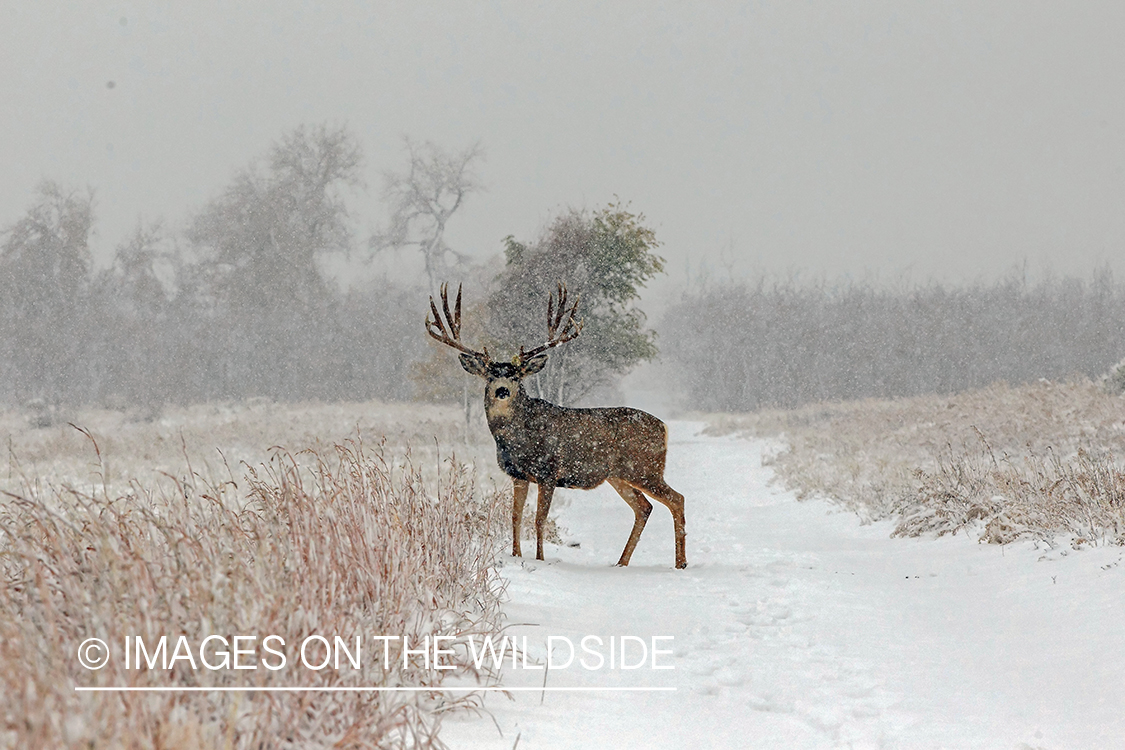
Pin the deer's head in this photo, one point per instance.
(503, 378)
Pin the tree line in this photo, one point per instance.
(236, 305)
(741, 346)
(239, 304)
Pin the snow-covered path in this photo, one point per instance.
(794, 626)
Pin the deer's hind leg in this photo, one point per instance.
(662, 493)
(519, 495)
(641, 510)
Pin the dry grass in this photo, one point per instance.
(142, 446)
(1004, 461)
(354, 537)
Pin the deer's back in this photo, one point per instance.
(581, 447)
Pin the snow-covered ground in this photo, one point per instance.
(796, 627)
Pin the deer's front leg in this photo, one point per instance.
(519, 494)
(546, 492)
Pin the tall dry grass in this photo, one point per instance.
(1001, 462)
(142, 445)
(352, 539)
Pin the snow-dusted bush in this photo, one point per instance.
(1023, 495)
(999, 462)
(1114, 381)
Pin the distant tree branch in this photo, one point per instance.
(423, 199)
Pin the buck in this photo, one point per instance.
(555, 446)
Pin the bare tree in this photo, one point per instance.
(422, 200)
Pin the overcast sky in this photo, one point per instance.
(949, 140)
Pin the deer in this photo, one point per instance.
(557, 446)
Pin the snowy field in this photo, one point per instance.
(796, 627)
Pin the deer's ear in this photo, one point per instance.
(474, 365)
(533, 365)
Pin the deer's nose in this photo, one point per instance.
(502, 392)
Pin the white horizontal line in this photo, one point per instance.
(190, 689)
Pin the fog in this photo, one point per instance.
(881, 199)
(945, 142)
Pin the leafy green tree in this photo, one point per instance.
(605, 257)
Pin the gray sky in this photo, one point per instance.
(951, 140)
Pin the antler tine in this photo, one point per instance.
(570, 317)
(572, 327)
(555, 318)
(436, 322)
(455, 319)
(551, 322)
(457, 310)
(450, 336)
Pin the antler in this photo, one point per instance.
(437, 328)
(561, 325)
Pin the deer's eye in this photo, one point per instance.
(502, 392)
